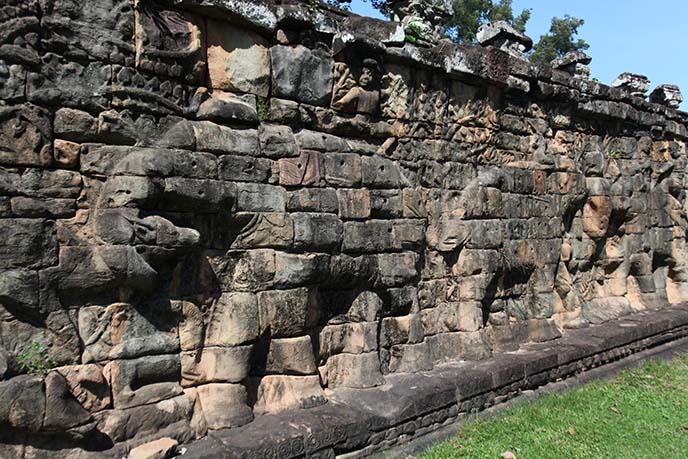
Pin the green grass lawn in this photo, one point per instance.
(643, 413)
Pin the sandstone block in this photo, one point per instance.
(401, 330)
(215, 364)
(224, 405)
(285, 313)
(23, 403)
(42, 207)
(255, 197)
(409, 358)
(349, 338)
(294, 270)
(290, 356)
(62, 410)
(171, 43)
(277, 141)
(440, 319)
(66, 153)
(180, 194)
(234, 320)
(409, 234)
(268, 229)
(163, 448)
(342, 169)
(25, 133)
(366, 307)
(301, 74)
(357, 371)
(444, 347)
(143, 380)
(119, 331)
(353, 203)
(218, 139)
(140, 421)
(29, 243)
(396, 269)
(413, 204)
(596, 215)
(313, 200)
(19, 289)
(244, 270)
(237, 59)
(399, 301)
(227, 107)
(386, 204)
(316, 231)
(307, 169)
(88, 385)
(368, 236)
(380, 172)
(281, 393)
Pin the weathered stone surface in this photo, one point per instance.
(23, 403)
(501, 35)
(253, 197)
(215, 364)
(224, 405)
(75, 125)
(348, 338)
(25, 133)
(62, 410)
(667, 94)
(237, 60)
(227, 107)
(88, 385)
(119, 331)
(120, 425)
(317, 231)
(219, 205)
(171, 43)
(293, 270)
(28, 243)
(282, 393)
(636, 85)
(301, 74)
(290, 356)
(574, 63)
(234, 320)
(220, 139)
(359, 371)
(267, 229)
(130, 380)
(163, 448)
(285, 313)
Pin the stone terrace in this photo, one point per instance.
(278, 229)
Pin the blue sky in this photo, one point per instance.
(639, 36)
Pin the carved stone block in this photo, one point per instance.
(307, 169)
(170, 42)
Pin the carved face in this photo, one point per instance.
(366, 78)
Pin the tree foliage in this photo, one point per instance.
(559, 41)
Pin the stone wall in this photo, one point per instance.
(214, 210)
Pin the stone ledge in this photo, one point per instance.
(360, 422)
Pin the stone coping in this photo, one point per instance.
(360, 422)
(464, 61)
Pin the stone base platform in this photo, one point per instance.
(361, 422)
